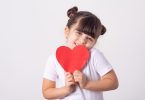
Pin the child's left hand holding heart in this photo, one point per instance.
(80, 78)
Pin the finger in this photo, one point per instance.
(77, 75)
(70, 80)
(67, 73)
(76, 78)
(76, 71)
(71, 83)
(70, 76)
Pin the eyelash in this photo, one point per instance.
(90, 39)
(79, 33)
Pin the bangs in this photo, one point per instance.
(89, 25)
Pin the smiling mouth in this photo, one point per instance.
(77, 44)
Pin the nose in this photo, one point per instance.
(83, 40)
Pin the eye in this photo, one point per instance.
(78, 32)
(90, 39)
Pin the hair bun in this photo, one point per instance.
(103, 30)
(72, 11)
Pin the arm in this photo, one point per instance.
(108, 82)
(51, 92)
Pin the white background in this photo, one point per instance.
(31, 29)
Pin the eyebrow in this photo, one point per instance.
(77, 30)
(84, 33)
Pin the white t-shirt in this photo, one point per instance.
(96, 67)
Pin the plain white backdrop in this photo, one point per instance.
(32, 29)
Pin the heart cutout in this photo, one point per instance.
(72, 59)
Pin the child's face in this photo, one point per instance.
(74, 38)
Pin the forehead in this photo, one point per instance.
(74, 26)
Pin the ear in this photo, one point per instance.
(66, 31)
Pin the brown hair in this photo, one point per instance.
(88, 22)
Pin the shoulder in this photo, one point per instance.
(51, 56)
(96, 54)
(95, 51)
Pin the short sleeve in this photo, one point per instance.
(101, 63)
(50, 69)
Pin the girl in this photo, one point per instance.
(83, 28)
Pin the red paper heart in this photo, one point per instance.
(72, 60)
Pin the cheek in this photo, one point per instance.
(73, 38)
(90, 45)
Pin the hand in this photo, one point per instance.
(80, 78)
(69, 82)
